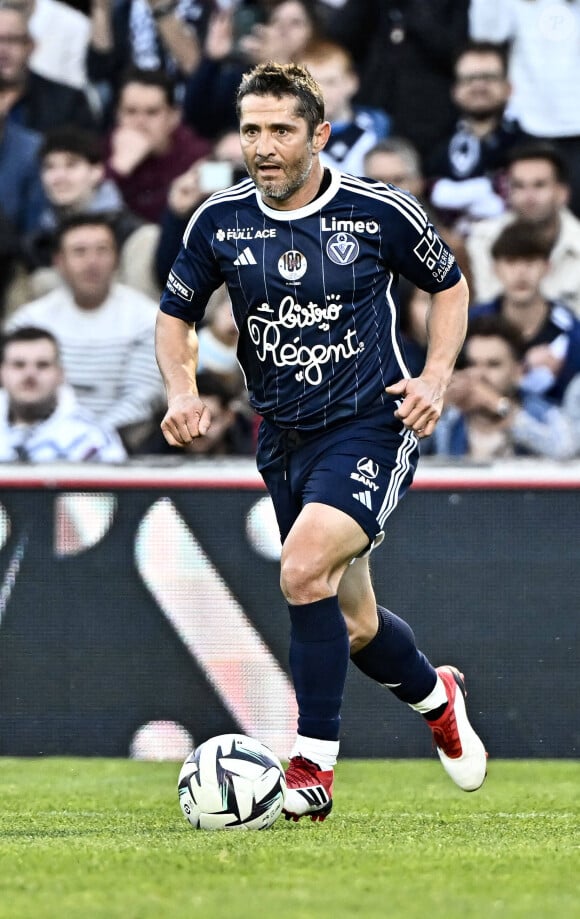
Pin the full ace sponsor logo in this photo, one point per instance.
(244, 233)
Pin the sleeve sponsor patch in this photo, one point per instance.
(432, 253)
(178, 287)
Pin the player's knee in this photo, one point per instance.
(302, 580)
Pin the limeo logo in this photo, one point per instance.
(337, 225)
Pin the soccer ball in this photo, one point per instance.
(231, 782)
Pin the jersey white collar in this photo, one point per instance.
(312, 208)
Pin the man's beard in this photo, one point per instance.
(484, 114)
(7, 84)
(281, 191)
(32, 412)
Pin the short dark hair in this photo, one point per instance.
(483, 47)
(69, 139)
(520, 240)
(27, 333)
(539, 150)
(83, 220)
(494, 325)
(399, 146)
(210, 383)
(158, 78)
(279, 80)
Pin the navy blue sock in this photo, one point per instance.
(319, 655)
(392, 657)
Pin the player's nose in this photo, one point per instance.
(264, 146)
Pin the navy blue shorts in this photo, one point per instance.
(363, 467)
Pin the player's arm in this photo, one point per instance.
(423, 395)
(176, 348)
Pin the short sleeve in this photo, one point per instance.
(193, 278)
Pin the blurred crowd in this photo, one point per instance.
(117, 120)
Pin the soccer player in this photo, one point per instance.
(311, 257)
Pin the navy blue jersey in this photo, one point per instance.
(313, 292)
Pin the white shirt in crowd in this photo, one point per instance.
(61, 37)
(544, 59)
(69, 434)
(563, 279)
(107, 353)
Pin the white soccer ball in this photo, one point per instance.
(231, 782)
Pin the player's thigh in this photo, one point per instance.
(319, 548)
(363, 471)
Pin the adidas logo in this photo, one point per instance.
(315, 795)
(246, 257)
(365, 498)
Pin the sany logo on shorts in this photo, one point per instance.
(368, 467)
(367, 470)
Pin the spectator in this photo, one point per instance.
(355, 129)
(409, 67)
(21, 192)
(161, 35)
(350, 23)
(231, 431)
(61, 35)
(465, 171)
(149, 147)
(218, 341)
(10, 254)
(550, 331)
(396, 161)
(414, 307)
(291, 25)
(31, 100)
(571, 408)
(105, 330)
(189, 190)
(544, 68)
(73, 177)
(209, 104)
(40, 420)
(487, 416)
(537, 193)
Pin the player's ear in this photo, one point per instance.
(321, 135)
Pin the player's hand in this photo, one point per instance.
(187, 417)
(422, 403)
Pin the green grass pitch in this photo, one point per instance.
(105, 839)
